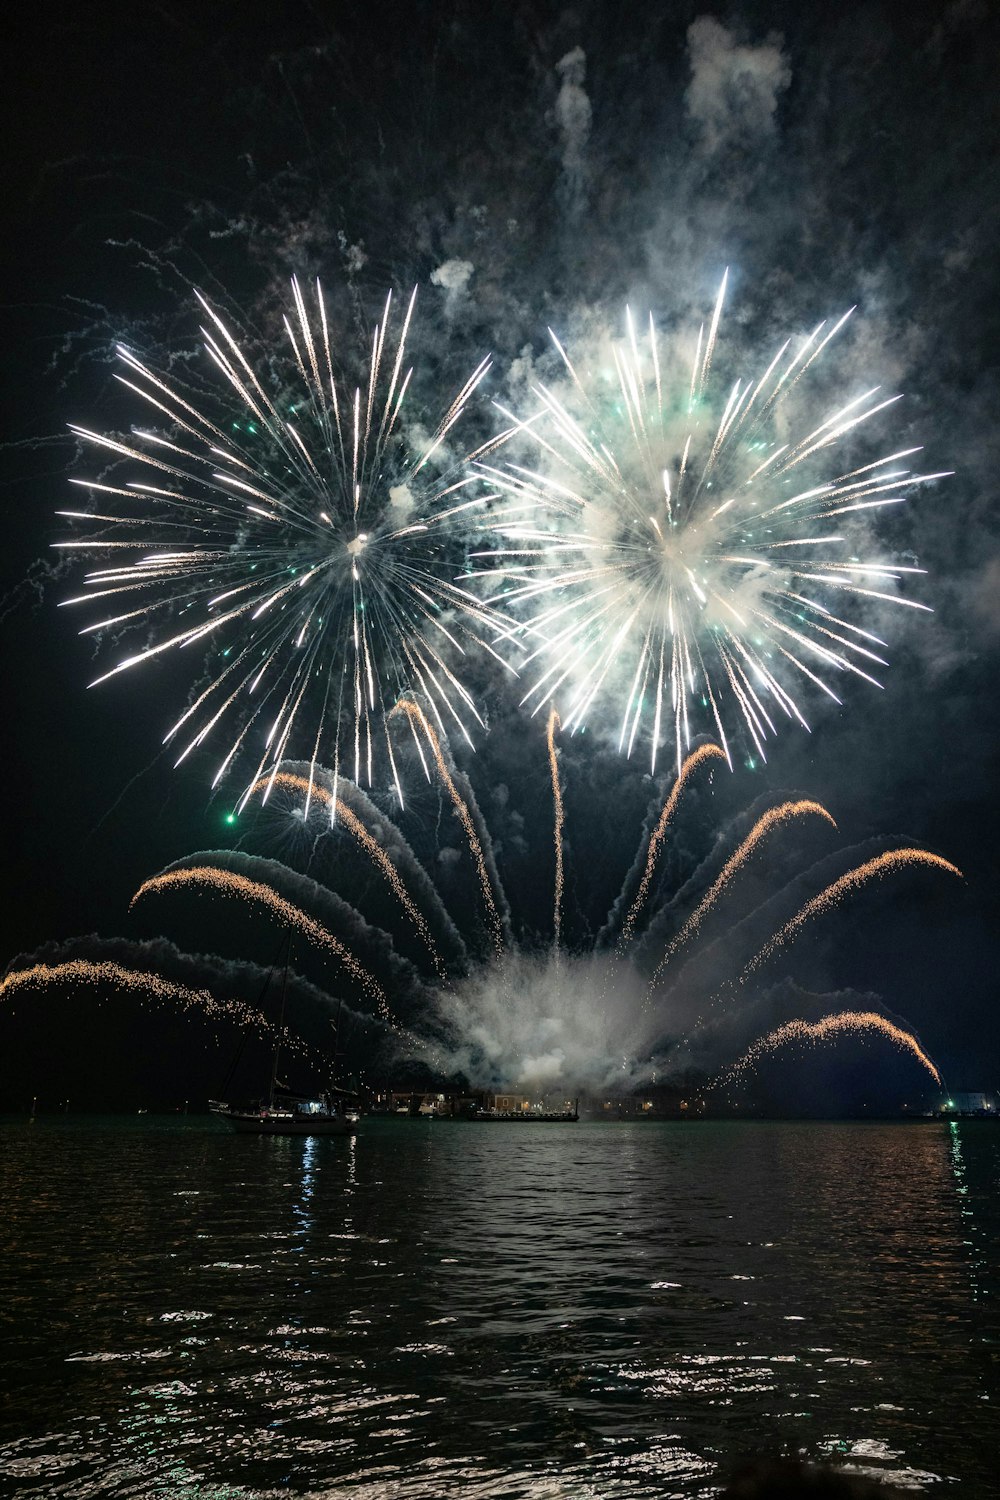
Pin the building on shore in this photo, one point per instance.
(969, 1104)
(675, 1101)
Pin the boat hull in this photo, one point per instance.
(253, 1124)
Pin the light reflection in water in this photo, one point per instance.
(978, 1250)
(615, 1310)
(303, 1208)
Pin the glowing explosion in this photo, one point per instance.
(692, 555)
(303, 532)
(678, 548)
(672, 548)
(504, 1008)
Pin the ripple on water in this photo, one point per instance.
(591, 1311)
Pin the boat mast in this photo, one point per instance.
(281, 1022)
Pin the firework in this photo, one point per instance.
(311, 789)
(600, 1010)
(417, 718)
(104, 975)
(676, 551)
(228, 883)
(608, 1012)
(852, 1023)
(699, 757)
(303, 533)
(891, 862)
(559, 816)
(81, 971)
(774, 818)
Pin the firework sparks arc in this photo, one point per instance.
(699, 757)
(773, 819)
(829, 1028)
(418, 719)
(88, 972)
(105, 973)
(229, 883)
(345, 815)
(890, 862)
(102, 974)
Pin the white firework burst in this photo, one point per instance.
(682, 554)
(304, 531)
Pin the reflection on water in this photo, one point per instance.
(303, 1209)
(606, 1310)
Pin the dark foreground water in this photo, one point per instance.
(452, 1309)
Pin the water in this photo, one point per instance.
(479, 1310)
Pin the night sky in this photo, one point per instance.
(577, 157)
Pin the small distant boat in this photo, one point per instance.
(285, 1113)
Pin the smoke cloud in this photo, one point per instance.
(735, 86)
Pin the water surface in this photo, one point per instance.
(441, 1307)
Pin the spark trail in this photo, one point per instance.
(697, 758)
(889, 863)
(92, 975)
(583, 1018)
(557, 802)
(675, 551)
(349, 819)
(296, 533)
(774, 818)
(417, 718)
(536, 1013)
(228, 883)
(853, 1023)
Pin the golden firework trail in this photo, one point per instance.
(889, 863)
(139, 982)
(297, 537)
(830, 1028)
(341, 812)
(228, 883)
(694, 760)
(85, 971)
(678, 553)
(774, 818)
(417, 718)
(557, 802)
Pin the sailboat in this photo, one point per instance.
(282, 1112)
(289, 1114)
